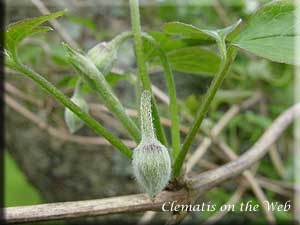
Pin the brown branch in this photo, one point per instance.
(217, 129)
(57, 133)
(273, 153)
(146, 218)
(275, 188)
(95, 109)
(136, 203)
(22, 95)
(101, 207)
(257, 151)
(43, 9)
(278, 187)
(233, 200)
(250, 178)
(276, 160)
(221, 13)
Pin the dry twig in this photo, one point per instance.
(216, 130)
(43, 9)
(133, 203)
(58, 133)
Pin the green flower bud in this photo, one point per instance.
(74, 123)
(151, 161)
(104, 56)
(84, 65)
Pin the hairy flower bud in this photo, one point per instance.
(104, 56)
(151, 161)
(74, 123)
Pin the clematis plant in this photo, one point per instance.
(157, 160)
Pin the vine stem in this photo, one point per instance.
(215, 85)
(59, 96)
(142, 67)
(172, 94)
(96, 80)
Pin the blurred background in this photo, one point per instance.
(44, 163)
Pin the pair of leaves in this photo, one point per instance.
(195, 59)
(269, 34)
(187, 31)
(183, 54)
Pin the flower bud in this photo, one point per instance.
(74, 123)
(151, 161)
(104, 56)
(83, 65)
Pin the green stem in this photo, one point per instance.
(96, 80)
(59, 96)
(142, 68)
(115, 106)
(215, 85)
(146, 117)
(137, 82)
(172, 94)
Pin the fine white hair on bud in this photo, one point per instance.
(74, 123)
(151, 161)
(104, 56)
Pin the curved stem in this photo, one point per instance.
(216, 83)
(142, 68)
(59, 96)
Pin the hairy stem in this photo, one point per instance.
(142, 68)
(172, 94)
(59, 96)
(215, 85)
(146, 117)
(96, 80)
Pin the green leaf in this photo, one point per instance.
(113, 78)
(219, 36)
(167, 43)
(18, 31)
(194, 60)
(271, 33)
(188, 31)
(183, 30)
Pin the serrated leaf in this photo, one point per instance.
(18, 31)
(271, 32)
(194, 60)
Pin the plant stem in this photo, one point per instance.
(137, 82)
(148, 133)
(115, 106)
(172, 94)
(59, 96)
(215, 85)
(142, 68)
(96, 80)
